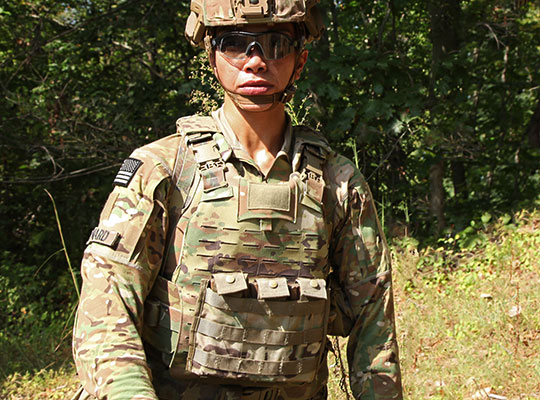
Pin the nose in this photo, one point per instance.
(255, 61)
(254, 46)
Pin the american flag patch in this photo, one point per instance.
(127, 171)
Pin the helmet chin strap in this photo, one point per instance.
(273, 99)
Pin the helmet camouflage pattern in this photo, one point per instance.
(207, 14)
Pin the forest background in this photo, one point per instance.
(437, 102)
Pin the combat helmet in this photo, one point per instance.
(208, 15)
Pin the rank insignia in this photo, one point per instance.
(127, 171)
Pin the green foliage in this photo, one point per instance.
(46, 384)
(82, 84)
(376, 72)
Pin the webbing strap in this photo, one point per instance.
(208, 157)
(259, 336)
(264, 307)
(313, 173)
(245, 366)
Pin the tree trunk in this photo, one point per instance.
(445, 17)
(533, 129)
(444, 21)
(459, 179)
(436, 193)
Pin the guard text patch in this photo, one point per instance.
(105, 237)
(127, 171)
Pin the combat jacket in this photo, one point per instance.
(133, 267)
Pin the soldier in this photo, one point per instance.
(228, 251)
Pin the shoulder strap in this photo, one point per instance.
(194, 131)
(310, 153)
(312, 173)
(199, 136)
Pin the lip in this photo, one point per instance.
(258, 86)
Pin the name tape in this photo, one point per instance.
(104, 237)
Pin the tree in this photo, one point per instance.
(82, 83)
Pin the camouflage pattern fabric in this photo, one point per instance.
(122, 263)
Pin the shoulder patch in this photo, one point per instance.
(127, 171)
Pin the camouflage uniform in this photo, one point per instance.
(158, 246)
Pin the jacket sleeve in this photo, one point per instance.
(119, 268)
(361, 266)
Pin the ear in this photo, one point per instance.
(302, 59)
(212, 58)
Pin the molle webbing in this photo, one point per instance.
(267, 307)
(245, 366)
(259, 336)
(261, 340)
(162, 305)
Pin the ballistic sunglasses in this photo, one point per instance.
(238, 45)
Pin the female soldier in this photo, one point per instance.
(229, 251)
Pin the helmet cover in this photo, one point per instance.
(208, 14)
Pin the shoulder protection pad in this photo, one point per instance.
(196, 123)
(306, 135)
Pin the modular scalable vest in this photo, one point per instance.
(246, 300)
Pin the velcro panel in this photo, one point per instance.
(265, 196)
(267, 201)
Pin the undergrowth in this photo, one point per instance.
(467, 321)
(468, 317)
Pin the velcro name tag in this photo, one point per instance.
(104, 237)
(266, 196)
(127, 171)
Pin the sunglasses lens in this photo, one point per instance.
(234, 45)
(238, 45)
(275, 45)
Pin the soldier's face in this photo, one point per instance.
(254, 73)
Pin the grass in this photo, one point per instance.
(467, 320)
